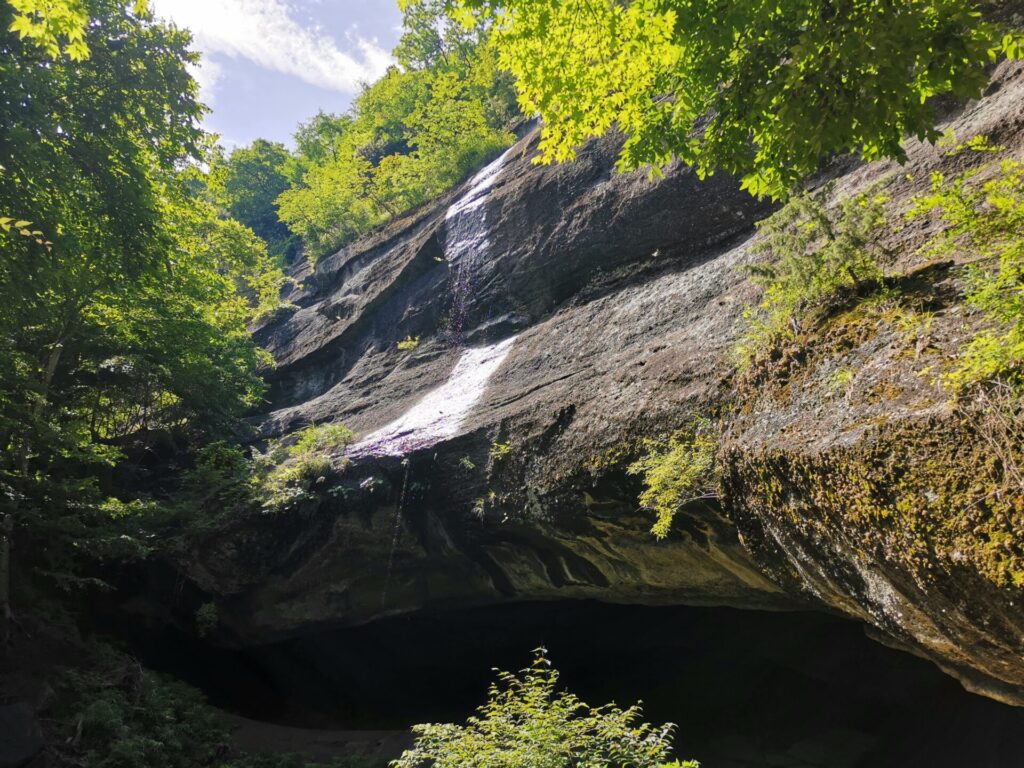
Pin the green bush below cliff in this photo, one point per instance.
(527, 721)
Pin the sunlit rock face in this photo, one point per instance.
(564, 312)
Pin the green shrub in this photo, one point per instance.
(676, 471)
(528, 723)
(207, 618)
(290, 472)
(298, 761)
(813, 253)
(986, 219)
(220, 482)
(125, 717)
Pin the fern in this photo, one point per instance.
(812, 253)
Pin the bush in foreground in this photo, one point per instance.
(528, 723)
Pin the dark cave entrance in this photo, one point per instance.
(745, 688)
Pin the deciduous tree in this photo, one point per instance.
(759, 88)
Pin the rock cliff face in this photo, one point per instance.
(563, 312)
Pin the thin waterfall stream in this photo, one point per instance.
(396, 531)
(467, 242)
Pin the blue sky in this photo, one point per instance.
(270, 64)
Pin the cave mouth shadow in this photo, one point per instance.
(745, 688)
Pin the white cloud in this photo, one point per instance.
(207, 73)
(265, 32)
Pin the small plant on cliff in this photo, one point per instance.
(978, 143)
(527, 721)
(319, 440)
(206, 619)
(677, 471)
(301, 464)
(409, 343)
(986, 219)
(813, 253)
(840, 381)
(499, 451)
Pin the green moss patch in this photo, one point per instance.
(931, 497)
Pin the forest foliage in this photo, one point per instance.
(125, 292)
(246, 184)
(436, 116)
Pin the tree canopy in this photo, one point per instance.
(760, 89)
(248, 182)
(125, 293)
(409, 136)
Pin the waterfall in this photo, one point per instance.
(466, 241)
(479, 185)
(396, 530)
(441, 412)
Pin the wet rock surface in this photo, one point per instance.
(623, 300)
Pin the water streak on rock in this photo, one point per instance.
(440, 414)
(466, 242)
(480, 185)
(396, 530)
